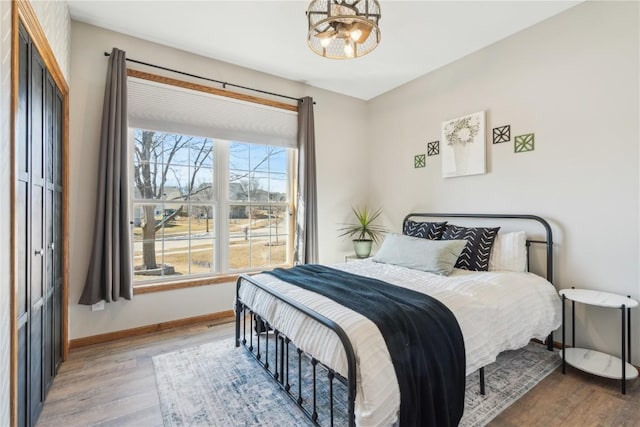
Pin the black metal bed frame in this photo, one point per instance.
(280, 371)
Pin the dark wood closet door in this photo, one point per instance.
(23, 246)
(39, 231)
(53, 222)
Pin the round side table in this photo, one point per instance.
(595, 362)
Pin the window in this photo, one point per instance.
(183, 185)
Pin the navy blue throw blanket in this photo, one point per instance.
(422, 335)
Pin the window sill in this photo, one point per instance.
(183, 284)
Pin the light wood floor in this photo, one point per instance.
(113, 384)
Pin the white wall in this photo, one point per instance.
(58, 23)
(339, 140)
(573, 81)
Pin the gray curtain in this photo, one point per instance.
(109, 276)
(306, 238)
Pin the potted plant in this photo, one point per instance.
(365, 232)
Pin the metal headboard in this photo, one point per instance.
(549, 235)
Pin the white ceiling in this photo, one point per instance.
(270, 36)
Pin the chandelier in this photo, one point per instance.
(343, 29)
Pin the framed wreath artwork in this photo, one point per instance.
(463, 146)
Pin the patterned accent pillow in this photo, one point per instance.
(425, 230)
(475, 256)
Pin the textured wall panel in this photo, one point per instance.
(5, 185)
(56, 22)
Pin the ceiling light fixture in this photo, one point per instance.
(343, 29)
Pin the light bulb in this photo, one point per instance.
(355, 35)
(325, 41)
(348, 50)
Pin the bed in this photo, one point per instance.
(495, 311)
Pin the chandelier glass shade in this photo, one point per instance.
(343, 29)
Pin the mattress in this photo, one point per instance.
(496, 311)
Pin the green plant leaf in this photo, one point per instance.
(364, 227)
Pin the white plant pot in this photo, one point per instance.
(362, 247)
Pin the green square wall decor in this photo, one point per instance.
(523, 143)
(419, 161)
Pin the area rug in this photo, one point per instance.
(217, 384)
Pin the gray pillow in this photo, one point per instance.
(433, 256)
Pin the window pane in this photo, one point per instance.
(175, 148)
(279, 220)
(260, 251)
(176, 257)
(177, 182)
(239, 228)
(278, 161)
(239, 156)
(146, 180)
(147, 222)
(201, 154)
(259, 157)
(238, 255)
(148, 146)
(203, 185)
(147, 260)
(238, 186)
(203, 192)
(175, 221)
(202, 256)
(259, 187)
(279, 249)
(202, 221)
(278, 187)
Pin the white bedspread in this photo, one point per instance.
(496, 311)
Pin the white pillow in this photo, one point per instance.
(433, 256)
(509, 252)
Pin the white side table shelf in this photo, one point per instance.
(595, 362)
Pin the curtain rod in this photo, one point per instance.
(224, 84)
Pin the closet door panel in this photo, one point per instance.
(57, 229)
(23, 376)
(22, 121)
(23, 166)
(57, 329)
(37, 243)
(37, 118)
(49, 279)
(36, 397)
(58, 121)
(22, 235)
(47, 345)
(37, 179)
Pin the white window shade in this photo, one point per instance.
(158, 106)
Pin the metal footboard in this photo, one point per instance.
(279, 371)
